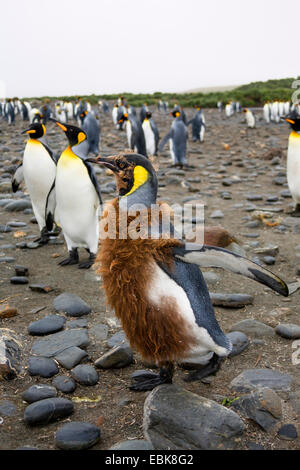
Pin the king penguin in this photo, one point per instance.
(151, 134)
(135, 133)
(293, 160)
(39, 169)
(77, 196)
(154, 283)
(177, 137)
(250, 119)
(91, 127)
(198, 125)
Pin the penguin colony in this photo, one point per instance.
(155, 286)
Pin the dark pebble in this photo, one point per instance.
(85, 374)
(47, 411)
(64, 384)
(287, 432)
(43, 366)
(77, 436)
(19, 280)
(39, 392)
(47, 325)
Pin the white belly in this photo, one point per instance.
(128, 132)
(250, 119)
(39, 173)
(163, 286)
(77, 204)
(149, 137)
(293, 167)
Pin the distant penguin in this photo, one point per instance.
(275, 111)
(24, 111)
(114, 114)
(229, 109)
(182, 116)
(293, 160)
(198, 125)
(266, 112)
(220, 106)
(177, 138)
(60, 113)
(131, 110)
(35, 115)
(78, 198)
(135, 134)
(69, 109)
(250, 119)
(9, 112)
(122, 110)
(91, 127)
(45, 112)
(39, 168)
(151, 134)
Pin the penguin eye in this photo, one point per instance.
(122, 164)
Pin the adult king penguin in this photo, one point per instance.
(78, 198)
(39, 169)
(151, 134)
(155, 285)
(198, 125)
(293, 160)
(135, 133)
(91, 127)
(177, 137)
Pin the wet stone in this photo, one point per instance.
(39, 392)
(64, 384)
(47, 325)
(77, 436)
(85, 374)
(42, 366)
(47, 411)
(71, 304)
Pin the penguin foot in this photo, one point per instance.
(296, 212)
(73, 258)
(87, 264)
(150, 380)
(210, 369)
(44, 238)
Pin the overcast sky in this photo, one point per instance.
(67, 47)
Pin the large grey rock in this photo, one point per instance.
(71, 304)
(134, 444)
(18, 205)
(42, 366)
(288, 330)
(10, 354)
(70, 357)
(262, 406)
(77, 436)
(253, 328)
(252, 379)
(47, 325)
(39, 392)
(116, 358)
(175, 418)
(54, 344)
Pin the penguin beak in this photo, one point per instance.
(63, 128)
(289, 120)
(108, 162)
(28, 131)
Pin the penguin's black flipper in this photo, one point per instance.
(93, 178)
(214, 257)
(165, 140)
(53, 155)
(17, 178)
(50, 208)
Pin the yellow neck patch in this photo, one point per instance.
(140, 177)
(294, 135)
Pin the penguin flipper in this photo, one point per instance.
(165, 140)
(93, 179)
(50, 208)
(215, 257)
(17, 178)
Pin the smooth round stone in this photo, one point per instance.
(134, 444)
(77, 436)
(19, 280)
(269, 260)
(32, 245)
(47, 411)
(16, 224)
(288, 330)
(239, 342)
(43, 366)
(39, 392)
(71, 304)
(287, 432)
(64, 384)
(85, 374)
(47, 325)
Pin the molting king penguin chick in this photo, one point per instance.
(250, 119)
(92, 129)
(151, 134)
(135, 133)
(198, 125)
(177, 137)
(39, 169)
(293, 160)
(154, 284)
(78, 198)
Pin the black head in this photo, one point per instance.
(175, 113)
(148, 115)
(74, 134)
(131, 171)
(35, 131)
(294, 120)
(123, 118)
